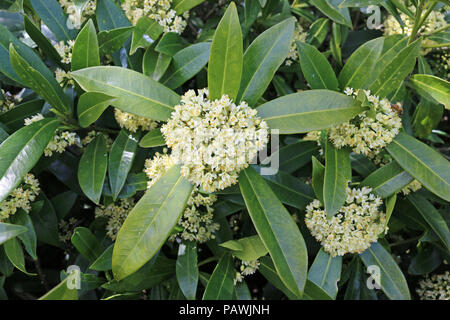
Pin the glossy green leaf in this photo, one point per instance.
(277, 230)
(9, 231)
(170, 43)
(149, 224)
(14, 118)
(110, 41)
(45, 221)
(359, 3)
(135, 92)
(262, 59)
(153, 138)
(63, 291)
(109, 16)
(21, 151)
(316, 68)
(92, 168)
(121, 159)
(14, 252)
(226, 59)
(86, 243)
(145, 33)
(220, 284)
(187, 269)
(247, 249)
(318, 178)
(28, 238)
(85, 52)
(269, 272)
(185, 64)
(318, 32)
(181, 6)
(104, 260)
(325, 272)
(337, 175)
(90, 107)
(423, 163)
(392, 280)
(432, 88)
(161, 66)
(309, 110)
(331, 10)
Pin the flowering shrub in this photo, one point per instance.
(243, 150)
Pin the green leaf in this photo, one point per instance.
(110, 41)
(423, 163)
(14, 252)
(332, 11)
(226, 59)
(53, 16)
(161, 66)
(14, 118)
(294, 156)
(86, 243)
(171, 43)
(145, 33)
(387, 180)
(392, 280)
(85, 52)
(21, 151)
(9, 231)
(432, 217)
(181, 6)
(104, 260)
(247, 249)
(109, 16)
(277, 230)
(90, 107)
(187, 269)
(45, 221)
(360, 64)
(121, 159)
(325, 272)
(432, 88)
(62, 290)
(28, 238)
(316, 68)
(153, 138)
(337, 175)
(135, 92)
(92, 168)
(309, 110)
(220, 285)
(185, 64)
(150, 222)
(45, 86)
(359, 3)
(262, 59)
(318, 32)
(269, 272)
(318, 178)
(392, 75)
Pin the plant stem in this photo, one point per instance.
(398, 243)
(417, 21)
(437, 30)
(438, 45)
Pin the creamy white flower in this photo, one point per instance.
(116, 215)
(413, 186)
(299, 35)
(134, 122)
(63, 77)
(65, 50)
(435, 287)
(66, 228)
(78, 15)
(9, 101)
(353, 228)
(246, 268)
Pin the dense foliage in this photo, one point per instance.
(257, 149)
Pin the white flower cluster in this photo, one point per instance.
(20, 198)
(133, 122)
(158, 10)
(8, 102)
(366, 134)
(65, 50)
(213, 140)
(299, 35)
(116, 215)
(197, 219)
(246, 268)
(436, 287)
(64, 77)
(78, 15)
(66, 228)
(351, 230)
(413, 186)
(91, 136)
(59, 142)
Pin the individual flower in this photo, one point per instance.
(435, 287)
(60, 141)
(116, 215)
(66, 229)
(133, 122)
(370, 131)
(246, 268)
(91, 136)
(353, 228)
(63, 77)
(77, 14)
(65, 50)
(8, 101)
(20, 198)
(158, 10)
(413, 186)
(213, 140)
(197, 220)
(299, 35)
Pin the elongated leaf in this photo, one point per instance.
(181, 6)
(318, 178)
(109, 16)
(92, 168)
(186, 269)
(220, 284)
(309, 110)
(135, 92)
(392, 280)
(170, 43)
(359, 3)
(28, 238)
(262, 59)
(294, 156)
(121, 159)
(86, 243)
(325, 272)
(318, 32)
(246, 249)
(185, 64)
(152, 138)
(104, 260)
(337, 175)
(91, 106)
(9, 231)
(145, 33)
(110, 41)
(432, 88)
(423, 163)
(316, 68)
(85, 51)
(432, 217)
(14, 252)
(21, 151)
(149, 224)
(332, 11)
(45, 221)
(269, 272)
(360, 64)
(226, 59)
(277, 230)
(47, 87)
(63, 291)
(13, 118)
